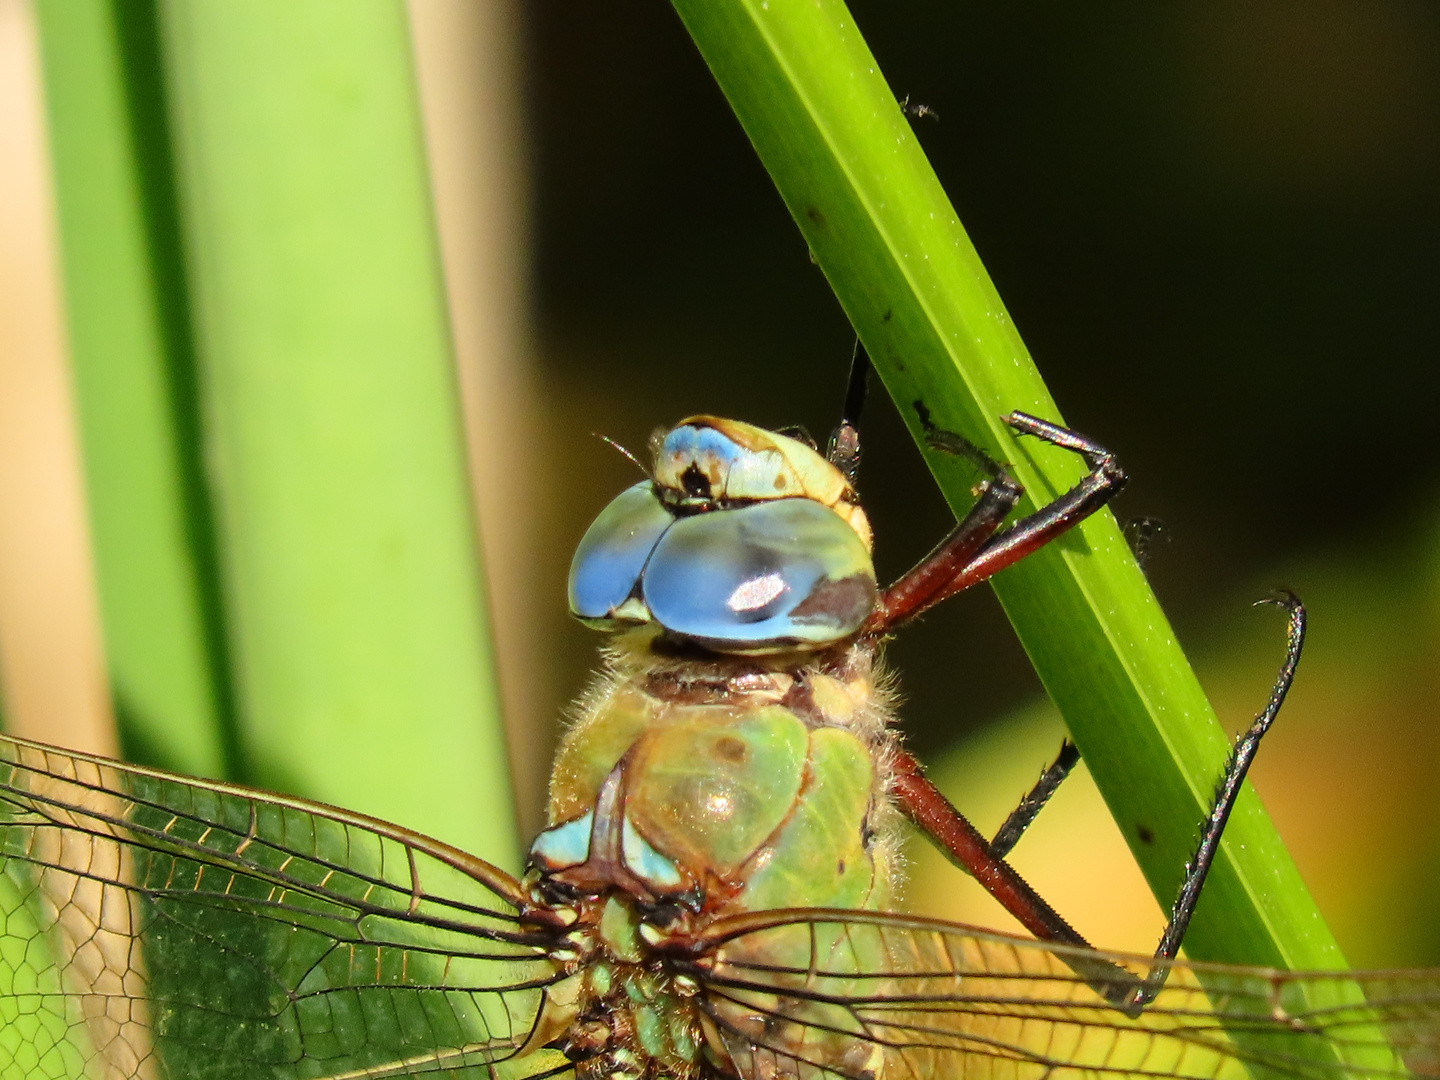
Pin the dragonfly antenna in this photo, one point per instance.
(615, 445)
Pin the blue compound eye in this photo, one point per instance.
(612, 554)
(784, 574)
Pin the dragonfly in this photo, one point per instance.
(712, 896)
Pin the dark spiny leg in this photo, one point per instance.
(844, 449)
(1032, 803)
(944, 572)
(857, 386)
(1226, 792)
(918, 110)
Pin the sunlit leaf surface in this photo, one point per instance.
(159, 927)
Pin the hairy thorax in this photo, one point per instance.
(691, 788)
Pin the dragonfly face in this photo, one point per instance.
(746, 543)
(710, 898)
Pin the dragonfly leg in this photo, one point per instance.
(924, 804)
(1226, 792)
(979, 547)
(844, 449)
(930, 580)
(1031, 804)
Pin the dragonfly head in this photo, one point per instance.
(745, 542)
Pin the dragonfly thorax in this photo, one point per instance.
(689, 791)
(726, 786)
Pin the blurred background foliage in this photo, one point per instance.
(1216, 227)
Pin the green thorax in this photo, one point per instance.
(727, 787)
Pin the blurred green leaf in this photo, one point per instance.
(351, 567)
(254, 284)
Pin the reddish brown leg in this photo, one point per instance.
(929, 580)
(978, 548)
(962, 843)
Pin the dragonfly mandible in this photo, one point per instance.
(710, 897)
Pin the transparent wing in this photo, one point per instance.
(154, 927)
(828, 994)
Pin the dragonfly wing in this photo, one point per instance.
(852, 995)
(153, 926)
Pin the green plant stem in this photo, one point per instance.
(827, 127)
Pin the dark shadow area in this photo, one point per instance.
(138, 34)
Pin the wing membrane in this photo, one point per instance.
(854, 995)
(153, 927)
(159, 927)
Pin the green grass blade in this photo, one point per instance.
(364, 673)
(827, 127)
